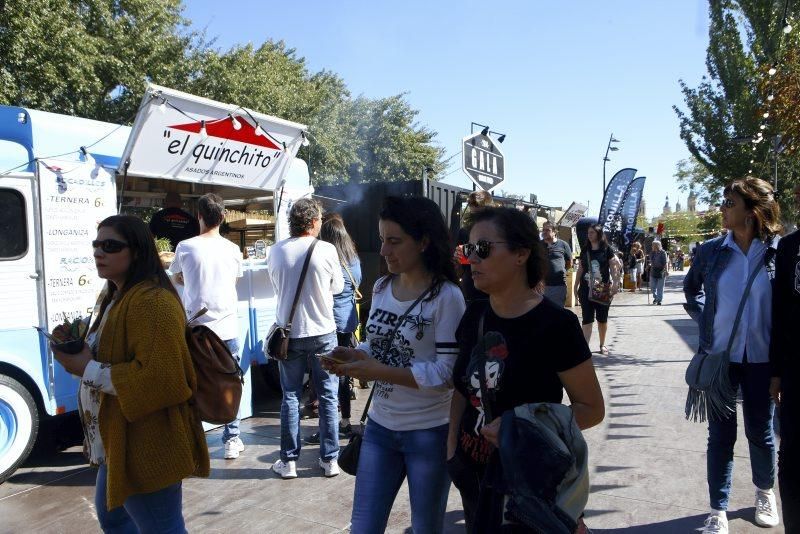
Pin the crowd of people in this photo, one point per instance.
(459, 374)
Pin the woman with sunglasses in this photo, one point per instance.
(534, 351)
(136, 380)
(411, 362)
(714, 288)
(597, 261)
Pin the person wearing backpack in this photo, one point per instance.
(207, 267)
(658, 271)
(721, 267)
(136, 381)
(516, 348)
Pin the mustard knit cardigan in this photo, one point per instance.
(150, 433)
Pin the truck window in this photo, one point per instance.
(13, 228)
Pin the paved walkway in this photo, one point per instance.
(648, 473)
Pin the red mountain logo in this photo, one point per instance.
(223, 128)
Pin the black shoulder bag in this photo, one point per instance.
(348, 458)
(277, 342)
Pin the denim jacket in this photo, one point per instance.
(544, 461)
(700, 284)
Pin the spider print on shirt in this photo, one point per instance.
(419, 323)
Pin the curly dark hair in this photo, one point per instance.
(520, 232)
(302, 215)
(420, 217)
(211, 208)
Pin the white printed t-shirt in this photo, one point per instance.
(425, 343)
(314, 313)
(210, 267)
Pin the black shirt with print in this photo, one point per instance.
(523, 358)
(601, 261)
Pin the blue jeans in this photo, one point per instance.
(386, 458)
(302, 356)
(158, 512)
(657, 286)
(231, 430)
(754, 379)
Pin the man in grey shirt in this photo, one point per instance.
(560, 256)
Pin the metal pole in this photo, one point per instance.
(605, 159)
(604, 173)
(775, 184)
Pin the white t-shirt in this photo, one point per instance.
(314, 313)
(426, 343)
(210, 267)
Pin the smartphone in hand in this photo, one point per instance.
(330, 357)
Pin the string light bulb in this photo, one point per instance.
(259, 131)
(162, 107)
(772, 71)
(763, 126)
(787, 28)
(766, 114)
(305, 142)
(236, 124)
(203, 131)
(771, 97)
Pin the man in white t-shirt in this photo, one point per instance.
(313, 331)
(207, 266)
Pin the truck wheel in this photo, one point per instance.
(19, 424)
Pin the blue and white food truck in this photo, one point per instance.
(61, 175)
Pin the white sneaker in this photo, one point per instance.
(766, 509)
(285, 470)
(233, 447)
(715, 524)
(331, 468)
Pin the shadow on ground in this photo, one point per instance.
(683, 524)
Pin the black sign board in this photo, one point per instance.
(483, 161)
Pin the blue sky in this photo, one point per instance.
(556, 77)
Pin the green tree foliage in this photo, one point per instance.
(94, 58)
(690, 227)
(91, 58)
(725, 111)
(693, 175)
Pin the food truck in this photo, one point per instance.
(61, 175)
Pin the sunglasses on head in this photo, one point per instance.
(482, 248)
(109, 246)
(727, 203)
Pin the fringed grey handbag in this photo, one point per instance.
(711, 395)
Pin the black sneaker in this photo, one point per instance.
(313, 439)
(345, 432)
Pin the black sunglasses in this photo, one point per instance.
(482, 248)
(109, 246)
(727, 203)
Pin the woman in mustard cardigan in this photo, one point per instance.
(136, 381)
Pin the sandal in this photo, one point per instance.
(604, 350)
